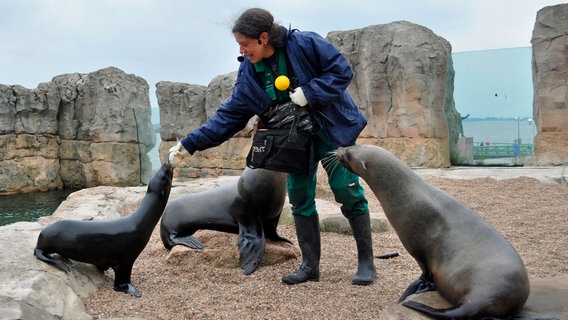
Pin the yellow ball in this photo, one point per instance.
(282, 83)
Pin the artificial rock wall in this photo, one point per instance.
(550, 81)
(403, 83)
(83, 130)
(185, 107)
(79, 130)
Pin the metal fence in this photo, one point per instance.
(501, 150)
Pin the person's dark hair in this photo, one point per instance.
(252, 22)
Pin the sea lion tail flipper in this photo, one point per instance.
(459, 312)
(527, 318)
(251, 247)
(437, 313)
(188, 241)
(417, 286)
(54, 261)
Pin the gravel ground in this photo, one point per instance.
(530, 214)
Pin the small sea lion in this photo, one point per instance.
(115, 243)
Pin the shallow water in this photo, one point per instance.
(30, 206)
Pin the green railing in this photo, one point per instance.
(501, 150)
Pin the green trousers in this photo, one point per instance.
(343, 183)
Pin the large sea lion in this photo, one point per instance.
(112, 243)
(461, 256)
(249, 207)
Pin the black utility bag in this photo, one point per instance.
(283, 141)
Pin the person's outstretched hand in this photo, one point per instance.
(298, 97)
(175, 150)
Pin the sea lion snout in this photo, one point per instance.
(163, 180)
(169, 170)
(349, 161)
(341, 154)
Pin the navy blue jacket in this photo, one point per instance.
(322, 72)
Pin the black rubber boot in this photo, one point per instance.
(361, 226)
(308, 232)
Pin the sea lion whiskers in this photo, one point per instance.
(344, 158)
(331, 161)
(328, 158)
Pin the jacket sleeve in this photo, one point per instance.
(325, 71)
(247, 99)
(228, 120)
(231, 117)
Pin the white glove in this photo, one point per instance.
(175, 150)
(298, 97)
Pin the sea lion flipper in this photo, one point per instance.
(188, 241)
(251, 246)
(122, 279)
(423, 308)
(54, 261)
(279, 238)
(270, 226)
(459, 312)
(417, 286)
(102, 268)
(128, 288)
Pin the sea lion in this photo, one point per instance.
(107, 244)
(461, 256)
(250, 207)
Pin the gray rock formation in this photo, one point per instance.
(79, 130)
(221, 252)
(31, 289)
(550, 70)
(547, 300)
(403, 82)
(83, 130)
(185, 107)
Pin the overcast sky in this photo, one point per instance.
(191, 42)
